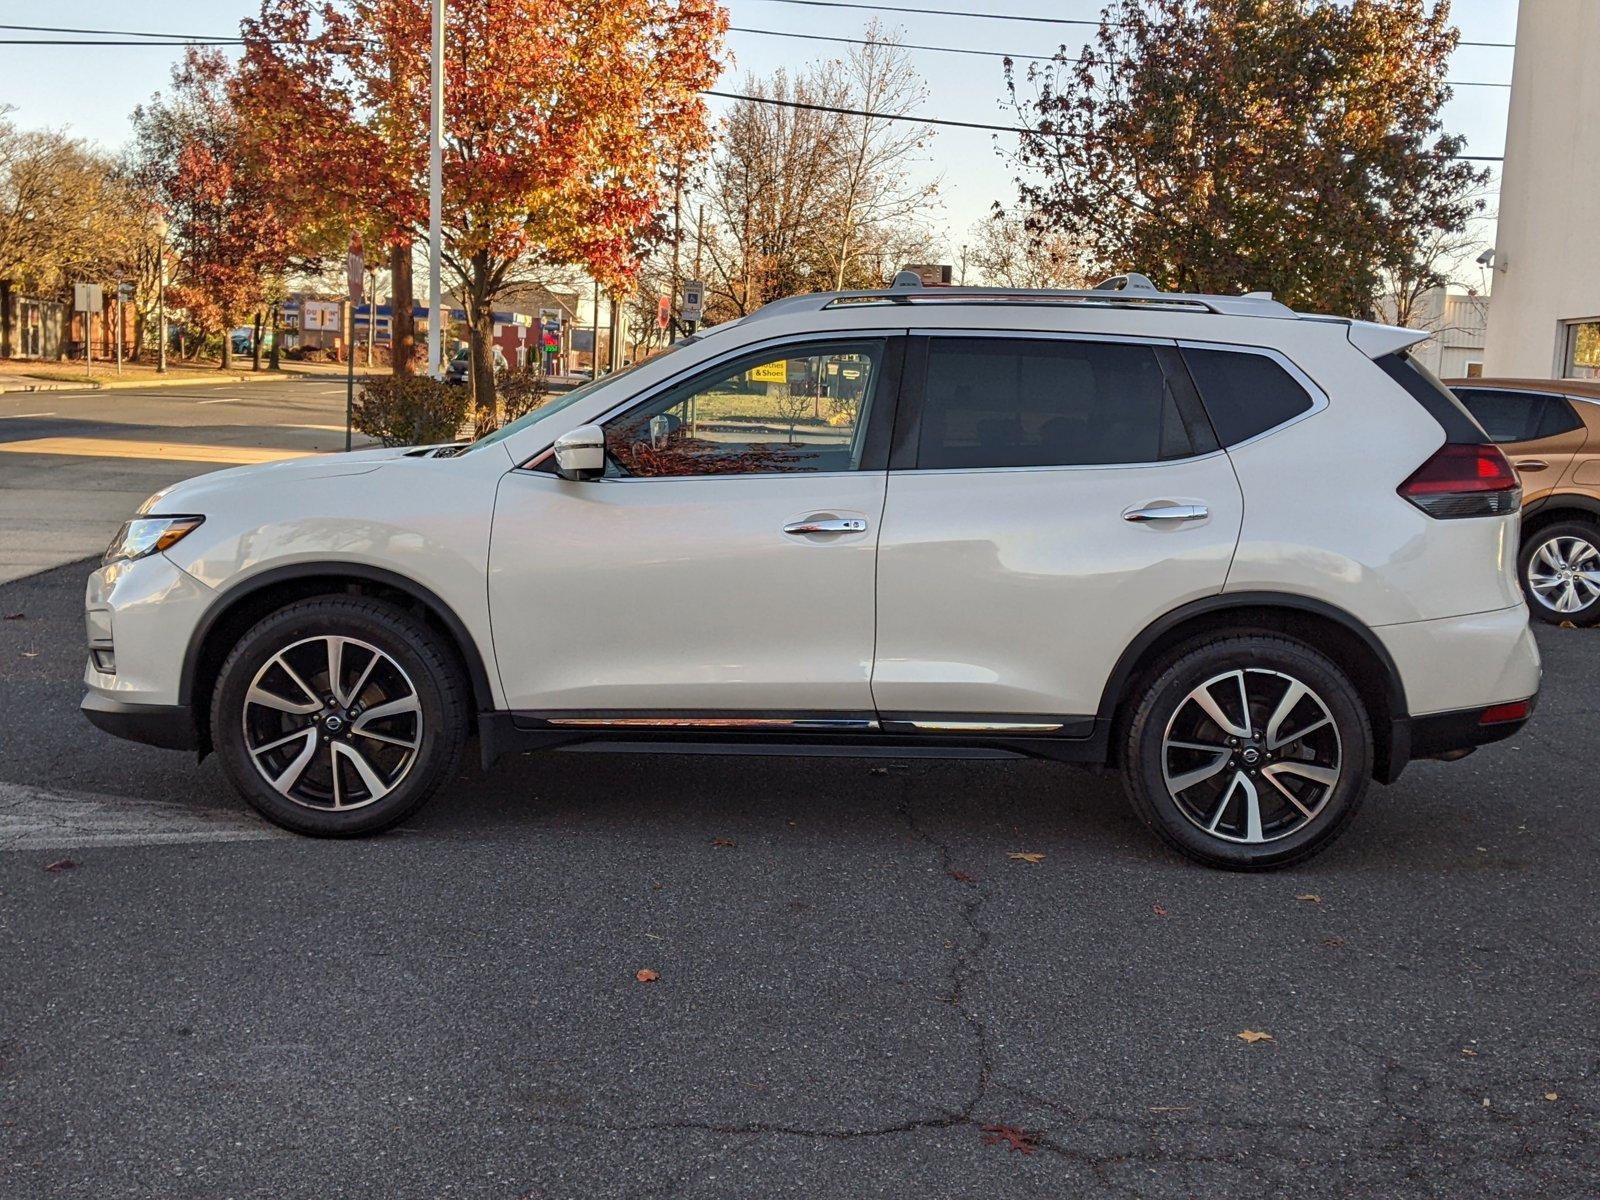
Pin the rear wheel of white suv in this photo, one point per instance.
(1248, 751)
(339, 715)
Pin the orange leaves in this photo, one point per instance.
(1251, 1036)
(1026, 856)
(646, 975)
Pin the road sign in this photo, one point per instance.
(356, 269)
(664, 311)
(693, 309)
(88, 297)
(125, 293)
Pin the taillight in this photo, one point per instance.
(1464, 480)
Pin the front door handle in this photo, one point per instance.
(827, 525)
(1166, 512)
(1532, 464)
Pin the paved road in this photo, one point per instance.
(848, 993)
(74, 464)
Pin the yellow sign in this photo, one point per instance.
(772, 372)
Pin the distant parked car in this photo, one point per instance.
(460, 368)
(1550, 429)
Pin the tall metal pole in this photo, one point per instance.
(436, 192)
(161, 297)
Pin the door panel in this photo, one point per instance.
(1015, 591)
(684, 594)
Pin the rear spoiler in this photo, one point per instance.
(1371, 338)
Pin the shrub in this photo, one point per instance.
(412, 410)
(521, 391)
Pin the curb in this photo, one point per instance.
(219, 380)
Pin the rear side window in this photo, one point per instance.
(1245, 393)
(1439, 401)
(1022, 402)
(1509, 416)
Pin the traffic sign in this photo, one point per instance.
(88, 297)
(693, 309)
(356, 269)
(664, 311)
(125, 292)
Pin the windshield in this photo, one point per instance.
(566, 400)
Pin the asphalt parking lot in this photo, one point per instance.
(859, 992)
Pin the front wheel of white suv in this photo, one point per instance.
(339, 715)
(1248, 751)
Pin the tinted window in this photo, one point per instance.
(800, 409)
(1519, 416)
(1439, 401)
(1245, 394)
(1004, 402)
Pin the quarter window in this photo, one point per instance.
(1245, 393)
(1013, 402)
(803, 408)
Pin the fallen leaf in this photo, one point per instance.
(645, 975)
(1158, 910)
(723, 843)
(1552, 1096)
(877, 770)
(1009, 1135)
(61, 864)
(963, 877)
(30, 654)
(1486, 1102)
(1310, 898)
(1026, 856)
(1567, 625)
(1252, 1036)
(1334, 941)
(1469, 1052)
(16, 616)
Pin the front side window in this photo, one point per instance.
(1016, 402)
(802, 408)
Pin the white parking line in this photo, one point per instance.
(24, 416)
(222, 400)
(34, 818)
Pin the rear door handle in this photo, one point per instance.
(1532, 464)
(827, 525)
(1166, 512)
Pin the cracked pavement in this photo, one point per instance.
(848, 994)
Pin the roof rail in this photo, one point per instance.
(1119, 291)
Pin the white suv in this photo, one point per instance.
(1251, 558)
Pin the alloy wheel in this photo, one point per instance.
(1251, 756)
(1564, 574)
(332, 723)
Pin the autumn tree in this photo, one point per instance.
(803, 197)
(1220, 145)
(192, 155)
(1007, 253)
(560, 120)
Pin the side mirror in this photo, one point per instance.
(581, 453)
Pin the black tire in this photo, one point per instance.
(1286, 833)
(1560, 536)
(412, 670)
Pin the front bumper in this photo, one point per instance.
(170, 726)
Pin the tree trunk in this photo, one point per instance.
(402, 301)
(227, 345)
(480, 340)
(255, 346)
(277, 311)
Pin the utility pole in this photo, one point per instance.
(372, 312)
(161, 294)
(677, 246)
(594, 353)
(436, 192)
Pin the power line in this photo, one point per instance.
(907, 117)
(828, 37)
(984, 16)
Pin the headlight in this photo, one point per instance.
(148, 535)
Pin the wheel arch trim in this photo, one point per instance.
(241, 590)
(1121, 675)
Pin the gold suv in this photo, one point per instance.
(1550, 430)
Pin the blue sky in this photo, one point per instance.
(92, 89)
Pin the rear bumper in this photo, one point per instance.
(1448, 735)
(170, 726)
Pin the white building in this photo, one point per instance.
(1455, 321)
(1544, 314)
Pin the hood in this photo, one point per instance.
(282, 471)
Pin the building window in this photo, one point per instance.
(1582, 358)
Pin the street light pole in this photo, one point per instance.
(161, 295)
(436, 191)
